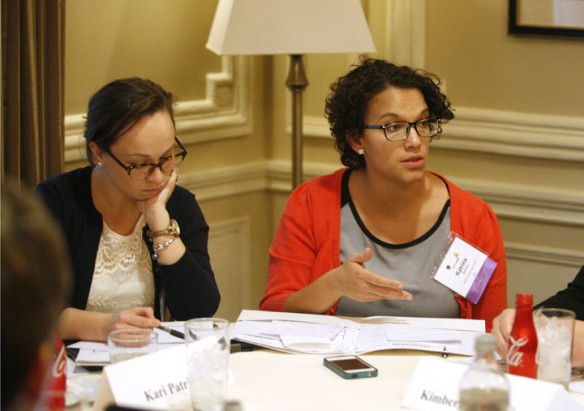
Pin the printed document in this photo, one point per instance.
(323, 334)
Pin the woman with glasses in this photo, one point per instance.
(364, 240)
(137, 241)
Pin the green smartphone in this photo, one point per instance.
(350, 366)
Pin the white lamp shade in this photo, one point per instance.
(253, 27)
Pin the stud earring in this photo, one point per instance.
(99, 164)
(361, 151)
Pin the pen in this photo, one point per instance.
(171, 331)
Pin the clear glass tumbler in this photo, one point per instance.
(131, 343)
(207, 347)
(555, 331)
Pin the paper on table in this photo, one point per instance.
(444, 323)
(89, 345)
(421, 334)
(577, 386)
(97, 353)
(92, 356)
(310, 333)
(166, 338)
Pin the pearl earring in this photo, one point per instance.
(361, 151)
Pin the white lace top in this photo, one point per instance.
(122, 277)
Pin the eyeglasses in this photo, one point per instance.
(400, 130)
(166, 164)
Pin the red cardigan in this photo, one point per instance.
(307, 244)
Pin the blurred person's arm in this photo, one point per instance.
(503, 323)
(75, 324)
(578, 347)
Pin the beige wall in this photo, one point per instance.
(520, 101)
(518, 140)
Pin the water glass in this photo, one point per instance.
(555, 330)
(207, 347)
(131, 343)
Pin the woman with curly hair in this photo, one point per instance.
(364, 240)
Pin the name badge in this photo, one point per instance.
(465, 269)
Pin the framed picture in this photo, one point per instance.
(547, 17)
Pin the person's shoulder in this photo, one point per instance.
(579, 279)
(182, 201)
(182, 194)
(331, 180)
(70, 181)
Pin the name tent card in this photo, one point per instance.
(154, 381)
(435, 387)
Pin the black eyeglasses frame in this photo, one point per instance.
(410, 124)
(129, 169)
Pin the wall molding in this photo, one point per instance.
(228, 181)
(544, 255)
(229, 244)
(225, 112)
(508, 133)
(541, 136)
(538, 204)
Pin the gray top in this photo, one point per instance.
(410, 263)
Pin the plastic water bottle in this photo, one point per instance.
(483, 386)
(522, 350)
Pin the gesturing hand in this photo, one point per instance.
(360, 284)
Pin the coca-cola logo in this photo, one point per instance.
(514, 356)
(60, 364)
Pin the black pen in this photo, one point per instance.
(171, 331)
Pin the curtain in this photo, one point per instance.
(32, 89)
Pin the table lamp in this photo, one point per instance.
(294, 27)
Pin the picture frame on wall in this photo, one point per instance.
(547, 17)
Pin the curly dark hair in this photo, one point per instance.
(346, 105)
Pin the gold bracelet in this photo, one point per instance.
(160, 247)
(172, 229)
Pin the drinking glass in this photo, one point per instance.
(207, 347)
(555, 329)
(131, 343)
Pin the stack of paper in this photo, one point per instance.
(323, 334)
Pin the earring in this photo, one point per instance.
(361, 151)
(98, 164)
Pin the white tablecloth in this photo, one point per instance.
(268, 380)
(273, 381)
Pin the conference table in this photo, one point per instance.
(270, 380)
(275, 381)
